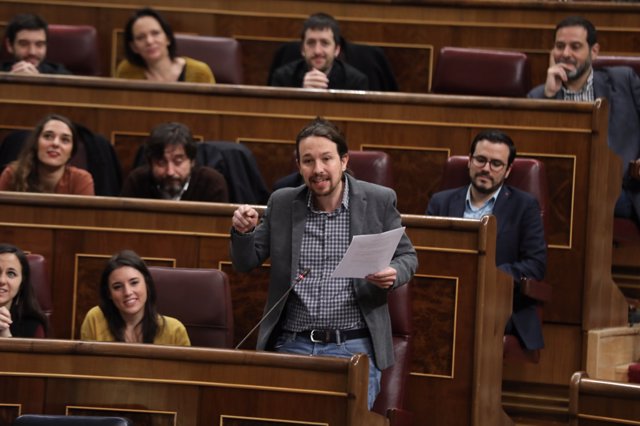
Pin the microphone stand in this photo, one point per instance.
(303, 274)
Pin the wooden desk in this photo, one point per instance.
(460, 301)
(164, 385)
(411, 34)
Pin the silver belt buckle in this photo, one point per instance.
(317, 340)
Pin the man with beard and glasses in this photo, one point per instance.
(571, 77)
(320, 67)
(171, 172)
(521, 250)
(26, 41)
(306, 230)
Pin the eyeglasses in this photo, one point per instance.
(480, 161)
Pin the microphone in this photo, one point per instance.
(300, 277)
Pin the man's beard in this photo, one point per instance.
(482, 189)
(579, 71)
(169, 188)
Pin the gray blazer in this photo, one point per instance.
(621, 87)
(372, 209)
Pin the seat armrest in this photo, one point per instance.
(538, 290)
(399, 417)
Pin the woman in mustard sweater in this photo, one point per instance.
(150, 49)
(127, 310)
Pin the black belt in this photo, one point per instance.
(332, 336)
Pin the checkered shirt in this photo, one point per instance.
(318, 301)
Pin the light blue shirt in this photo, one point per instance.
(471, 212)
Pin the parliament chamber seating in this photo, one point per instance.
(201, 299)
(75, 46)
(41, 283)
(527, 174)
(480, 72)
(394, 382)
(55, 420)
(222, 54)
(616, 61)
(372, 166)
(422, 130)
(625, 231)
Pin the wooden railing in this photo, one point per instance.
(163, 385)
(460, 300)
(596, 402)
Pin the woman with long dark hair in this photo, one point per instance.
(20, 313)
(150, 51)
(127, 310)
(42, 165)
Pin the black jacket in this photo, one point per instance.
(342, 76)
(44, 68)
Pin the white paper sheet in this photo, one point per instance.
(368, 254)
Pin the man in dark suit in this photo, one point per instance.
(320, 67)
(521, 250)
(26, 41)
(311, 227)
(571, 77)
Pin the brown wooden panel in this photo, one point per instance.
(275, 158)
(411, 165)
(154, 384)
(8, 413)
(256, 59)
(435, 322)
(249, 296)
(126, 146)
(27, 395)
(137, 417)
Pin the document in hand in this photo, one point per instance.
(368, 254)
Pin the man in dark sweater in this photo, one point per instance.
(171, 172)
(320, 67)
(26, 41)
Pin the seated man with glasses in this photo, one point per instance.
(521, 250)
